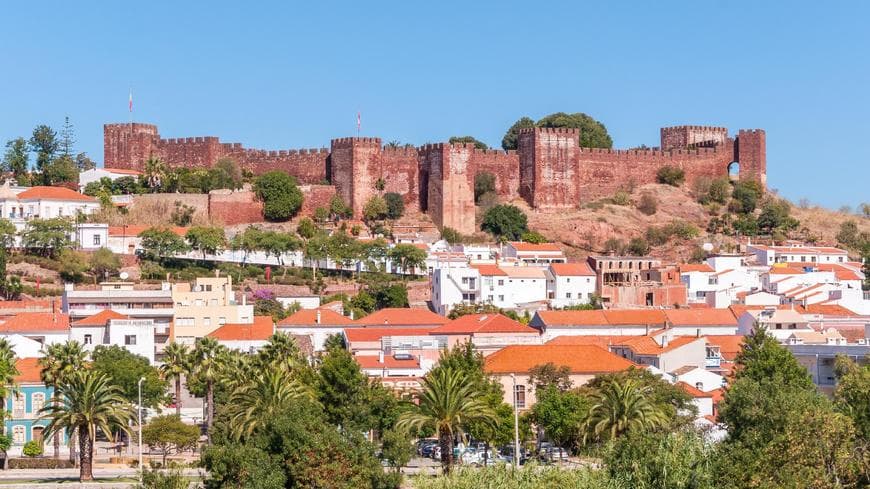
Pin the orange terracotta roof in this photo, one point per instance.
(571, 269)
(375, 334)
(308, 317)
(54, 193)
(122, 171)
(705, 317)
(785, 271)
(695, 267)
(603, 341)
(729, 344)
(372, 362)
(694, 391)
(401, 316)
(489, 270)
(27, 322)
(826, 310)
(580, 359)
(137, 230)
(647, 345)
(524, 272)
(617, 317)
(521, 246)
(100, 319)
(718, 395)
(484, 323)
(260, 330)
(28, 371)
(573, 318)
(22, 304)
(846, 275)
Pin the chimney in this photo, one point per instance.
(317, 317)
(381, 356)
(244, 299)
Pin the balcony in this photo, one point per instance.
(713, 362)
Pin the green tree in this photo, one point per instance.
(16, 158)
(338, 209)
(395, 205)
(44, 143)
(446, 403)
(484, 182)
(593, 134)
(561, 414)
(775, 215)
(91, 402)
(468, 140)
(306, 228)
(67, 138)
(281, 197)
(8, 372)
(375, 209)
(533, 237)
(506, 222)
(511, 137)
(176, 364)
(638, 247)
(60, 170)
(206, 359)
(125, 369)
(265, 396)
(621, 407)
(206, 239)
(49, 236)
(720, 190)
(451, 235)
(670, 175)
(59, 362)
(169, 435)
(549, 375)
(73, 265)
(156, 173)
(397, 448)
(342, 388)
(407, 257)
(315, 250)
(104, 263)
(225, 174)
(160, 243)
(648, 460)
(746, 195)
(182, 214)
(84, 162)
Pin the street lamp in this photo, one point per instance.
(139, 414)
(516, 425)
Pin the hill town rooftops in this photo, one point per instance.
(580, 359)
(374, 362)
(572, 269)
(100, 319)
(260, 330)
(28, 371)
(54, 193)
(706, 317)
(521, 246)
(483, 323)
(695, 267)
(372, 334)
(321, 316)
(32, 322)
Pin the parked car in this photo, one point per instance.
(425, 446)
(507, 453)
(478, 458)
(549, 453)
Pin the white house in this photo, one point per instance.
(97, 174)
(768, 255)
(570, 284)
(318, 324)
(92, 236)
(541, 254)
(45, 202)
(43, 327)
(112, 328)
(248, 337)
(779, 322)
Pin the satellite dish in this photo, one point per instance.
(707, 247)
(124, 275)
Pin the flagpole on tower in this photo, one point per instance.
(358, 122)
(130, 107)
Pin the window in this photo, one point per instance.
(465, 280)
(18, 405)
(520, 396)
(568, 295)
(214, 302)
(18, 434)
(501, 282)
(489, 298)
(96, 240)
(184, 322)
(700, 294)
(222, 321)
(501, 298)
(129, 339)
(37, 401)
(778, 325)
(206, 322)
(89, 339)
(568, 280)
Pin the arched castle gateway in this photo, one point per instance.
(549, 170)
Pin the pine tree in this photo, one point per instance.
(67, 138)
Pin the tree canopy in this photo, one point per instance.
(281, 197)
(593, 134)
(505, 222)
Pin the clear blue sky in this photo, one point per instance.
(275, 75)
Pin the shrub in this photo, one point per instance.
(533, 237)
(280, 195)
(484, 182)
(621, 197)
(648, 204)
(720, 189)
(638, 247)
(32, 448)
(451, 235)
(40, 463)
(671, 175)
(657, 236)
(395, 205)
(505, 222)
(614, 245)
(683, 229)
(746, 194)
(375, 209)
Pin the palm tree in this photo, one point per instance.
(61, 360)
(8, 372)
(207, 359)
(620, 407)
(176, 363)
(268, 394)
(448, 401)
(90, 402)
(155, 172)
(281, 351)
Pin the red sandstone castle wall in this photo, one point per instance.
(549, 173)
(684, 137)
(239, 207)
(315, 196)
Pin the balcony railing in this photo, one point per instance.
(713, 362)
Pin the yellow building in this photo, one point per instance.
(204, 306)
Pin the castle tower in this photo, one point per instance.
(353, 169)
(128, 145)
(549, 166)
(683, 137)
(450, 196)
(750, 151)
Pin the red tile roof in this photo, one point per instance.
(693, 391)
(647, 345)
(28, 322)
(603, 341)
(484, 323)
(695, 267)
(137, 230)
(571, 269)
(372, 362)
(729, 345)
(402, 317)
(28, 371)
(375, 334)
(100, 319)
(785, 271)
(54, 193)
(580, 359)
(261, 329)
(826, 310)
(701, 317)
(617, 317)
(521, 246)
(490, 270)
(308, 317)
(573, 318)
(123, 171)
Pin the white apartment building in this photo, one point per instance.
(97, 174)
(541, 254)
(43, 202)
(108, 328)
(205, 305)
(570, 284)
(768, 255)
